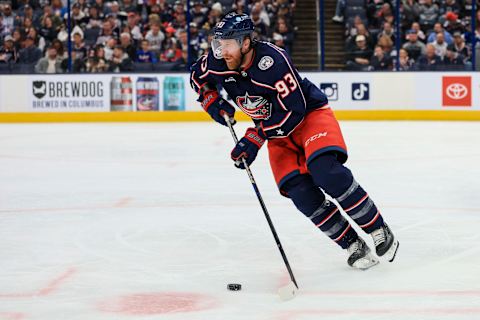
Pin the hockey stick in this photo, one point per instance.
(288, 291)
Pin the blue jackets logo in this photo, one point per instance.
(360, 91)
(257, 107)
(330, 90)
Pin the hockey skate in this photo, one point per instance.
(385, 243)
(360, 257)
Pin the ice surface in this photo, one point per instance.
(152, 221)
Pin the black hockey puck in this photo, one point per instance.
(234, 287)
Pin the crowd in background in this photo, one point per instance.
(125, 35)
(435, 34)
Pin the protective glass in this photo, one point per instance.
(220, 46)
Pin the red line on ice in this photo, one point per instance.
(12, 316)
(52, 286)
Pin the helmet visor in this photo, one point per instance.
(222, 46)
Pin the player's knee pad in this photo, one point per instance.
(330, 174)
(306, 196)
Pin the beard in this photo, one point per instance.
(234, 64)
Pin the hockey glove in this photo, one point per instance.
(248, 147)
(216, 107)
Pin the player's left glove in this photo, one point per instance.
(248, 147)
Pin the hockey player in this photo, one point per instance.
(305, 143)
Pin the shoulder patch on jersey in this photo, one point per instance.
(265, 63)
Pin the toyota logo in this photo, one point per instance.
(457, 91)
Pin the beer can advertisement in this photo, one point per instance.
(121, 94)
(147, 90)
(173, 93)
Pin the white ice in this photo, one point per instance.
(152, 221)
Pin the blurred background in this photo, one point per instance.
(90, 36)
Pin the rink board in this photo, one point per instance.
(168, 97)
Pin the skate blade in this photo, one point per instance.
(365, 263)
(392, 252)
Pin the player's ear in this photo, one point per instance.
(247, 42)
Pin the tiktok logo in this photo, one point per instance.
(360, 91)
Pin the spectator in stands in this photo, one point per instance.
(449, 7)
(106, 34)
(26, 26)
(120, 61)
(9, 18)
(414, 47)
(61, 52)
(114, 14)
(380, 61)
(79, 46)
(155, 38)
(127, 6)
(387, 31)
(115, 23)
(411, 12)
(8, 52)
(27, 13)
(198, 42)
(260, 25)
(284, 35)
(239, 6)
(284, 11)
(420, 34)
(48, 12)
(144, 55)
(359, 57)
(362, 30)
(215, 14)
(453, 60)
(429, 13)
(38, 39)
(405, 62)
(47, 30)
(440, 45)
(453, 23)
(126, 43)
(29, 54)
(96, 61)
(179, 16)
(57, 8)
(439, 28)
(387, 46)
(94, 19)
(172, 52)
(133, 21)
(459, 45)
(49, 64)
(385, 14)
(259, 7)
(17, 39)
(429, 61)
(109, 48)
(198, 13)
(76, 15)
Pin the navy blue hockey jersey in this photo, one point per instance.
(269, 89)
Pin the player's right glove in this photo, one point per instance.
(248, 147)
(216, 107)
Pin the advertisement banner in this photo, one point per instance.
(67, 94)
(172, 92)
